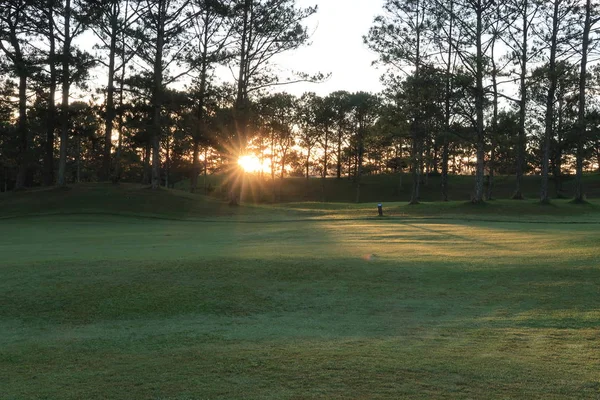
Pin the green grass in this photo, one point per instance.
(120, 200)
(391, 188)
(200, 301)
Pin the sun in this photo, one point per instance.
(249, 163)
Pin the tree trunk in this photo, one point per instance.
(156, 100)
(549, 106)
(492, 166)
(359, 160)
(339, 156)
(522, 140)
(479, 100)
(48, 177)
(117, 171)
(352, 164)
(205, 169)
(307, 164)
(78, 171)
(426, 163)
(195, 167)
(167, 160)
(20, 67)
(416, 165)
(66, 84)
(581, 122)
(147, 173)
(447, 115)
(241, 83)
(325, 164)
(415, 125)
(200, 110)
(283, 157)
(445, 157)
(22, 129)
(241, 103)
(273, 190)
(557, 156)
(110, 102)
(155, 182)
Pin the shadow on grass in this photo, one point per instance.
(360, 295)
(239, 328)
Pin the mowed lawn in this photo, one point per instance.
(119, 307)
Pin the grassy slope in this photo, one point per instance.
(138, 200)
(118, 200)
(387, 188)
(329, 304)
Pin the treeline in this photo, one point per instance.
(144, 47)
(480, 87)
(515, 76)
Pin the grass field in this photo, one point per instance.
(393, 187)
(127, 294)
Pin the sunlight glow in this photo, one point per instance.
(250, 163)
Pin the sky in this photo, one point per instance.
(337, 47)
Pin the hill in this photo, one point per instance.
(131, 200)
(122, 200)
(391, 187)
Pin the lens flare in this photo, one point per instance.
(249, 163)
